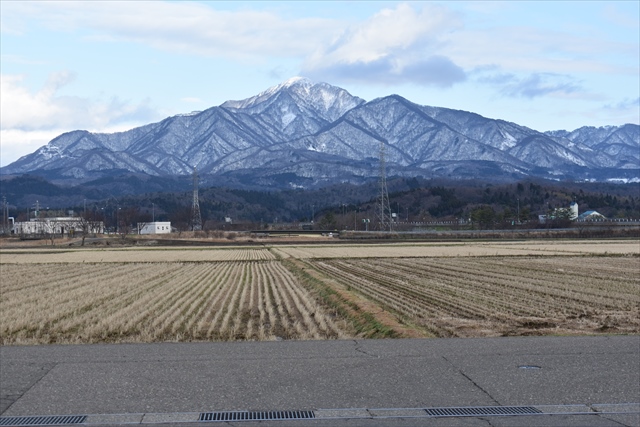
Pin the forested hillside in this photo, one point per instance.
(337, 206)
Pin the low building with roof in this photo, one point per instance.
(162, 227)
(58, 225)
(591, 216)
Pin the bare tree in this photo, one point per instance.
(126, 218)
(51, 227)
(180, 219)
(88, 225)
(144, 218)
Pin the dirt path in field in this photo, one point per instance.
(364, 305)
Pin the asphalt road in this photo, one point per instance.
(582, 381)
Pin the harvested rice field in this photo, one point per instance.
(319, 292)
(53, 256)
(460, 249)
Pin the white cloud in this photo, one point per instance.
(528, 49)
(30, 111)
(184, 27)
(30, 119)
(624, 111)
(191, 100)
(45, 109)
(415, 43)
(399, 37)
(533, 85)
(15, 143)
(402, 38)
(402, 45)
(395, 46)
(386, 32)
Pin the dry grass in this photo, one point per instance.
(318, 292)
(120, 255)
(461, 249)
(150, 302)
(494, 296)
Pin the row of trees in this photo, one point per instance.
(485, 205)
(345, 206)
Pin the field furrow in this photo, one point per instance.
(318, 292)
(558, 289)
(200, 304)
(270, 305)
(222, 304)
(313, 314)
(497, 293)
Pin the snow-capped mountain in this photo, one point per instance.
(310, 133)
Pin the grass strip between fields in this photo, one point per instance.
(368, 319)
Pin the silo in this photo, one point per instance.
(574, 210)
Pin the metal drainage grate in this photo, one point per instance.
(256, 415)
(482, 410)
(43, 421)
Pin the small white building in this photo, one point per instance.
(155, 228)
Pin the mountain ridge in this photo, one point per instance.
(322, 134)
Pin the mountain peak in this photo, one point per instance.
(329, 101)
(297, 80)
(267, 94)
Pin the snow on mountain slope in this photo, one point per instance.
(298, 98)
(320, 131)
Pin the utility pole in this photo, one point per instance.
(344, 216)
(355, 219)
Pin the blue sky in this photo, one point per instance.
(110, 66)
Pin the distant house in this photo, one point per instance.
(155, 228)
(590, 216)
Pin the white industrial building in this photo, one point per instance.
(58, 225)
(155, 228)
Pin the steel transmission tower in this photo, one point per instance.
(385, 222)
(196, 218)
